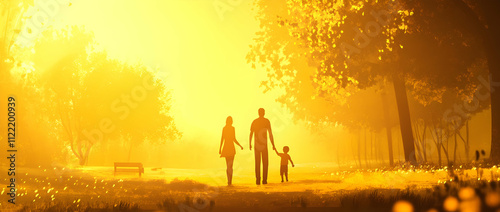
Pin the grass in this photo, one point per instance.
(74, 191)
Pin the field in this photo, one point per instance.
(311, 188)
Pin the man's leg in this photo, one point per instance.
(265, 165)
(257, 166)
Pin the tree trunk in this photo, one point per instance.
(438, 146)
(398, 159)
(354, 152)
(492, 44)
(82, 156)
(338, 154)
(490, 35)
(367, 164)
(404, 119)
(445, 150)
(424, 143)
(437, 142)
(359, 148)
(81, 161)
(418, 142)
(466, 146)
(130, 152)
(371, 147)
(455, 150)
(385, 106)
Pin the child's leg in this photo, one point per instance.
(281, 173)
(286, 174)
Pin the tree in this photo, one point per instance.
(322, 33)
(136, 102)
(434, 110)
(491, 34)
(483, 17)
(368, 109)
(480, 19)
(11, 13)
(356, 43)
(94, 98)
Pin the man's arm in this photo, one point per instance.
(221, 141)
(250, 139)
(271, 135)
(277, 152)
(251, 134)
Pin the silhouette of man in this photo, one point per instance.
(259, 129)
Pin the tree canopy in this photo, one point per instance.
(328, 49)
(94, 98)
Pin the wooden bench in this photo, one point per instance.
(129, 167)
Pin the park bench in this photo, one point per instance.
(129, 167)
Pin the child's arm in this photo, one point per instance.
(235, 141)
(290, 158)
(276, 151)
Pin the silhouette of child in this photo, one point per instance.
(284, 162)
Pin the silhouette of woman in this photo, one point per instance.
(228, 139)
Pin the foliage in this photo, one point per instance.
(94, 98)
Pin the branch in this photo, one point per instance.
(73, 149)
(65, 125)
(472, 17)
(460, 135)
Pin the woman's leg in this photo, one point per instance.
(229, 170)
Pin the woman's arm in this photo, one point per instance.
(221, 141)
(235, 141)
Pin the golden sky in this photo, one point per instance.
(202, 55)
(203, 58)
